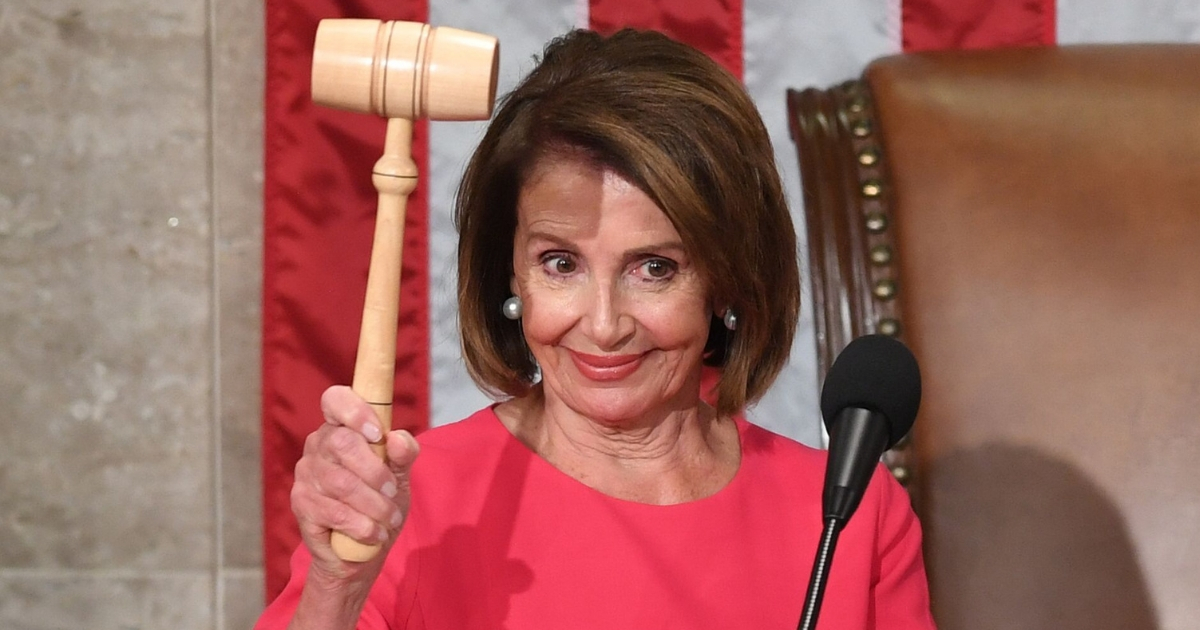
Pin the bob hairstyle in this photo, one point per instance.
(684, 131)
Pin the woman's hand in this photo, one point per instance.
(342, 485)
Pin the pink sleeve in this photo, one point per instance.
(385, 595)
(901, 589)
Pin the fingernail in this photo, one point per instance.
(372, 432)
(397, 519)
(388, 489)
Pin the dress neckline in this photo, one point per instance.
(544, 468)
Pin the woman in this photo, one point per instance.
(622, 225)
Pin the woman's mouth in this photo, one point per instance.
(608, 367)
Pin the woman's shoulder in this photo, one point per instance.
(779, 468)
(477, 426)
(763, 444)
(781, 452)
(469, 439)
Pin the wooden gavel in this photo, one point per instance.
(401, 71)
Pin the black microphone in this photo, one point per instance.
(869, 402)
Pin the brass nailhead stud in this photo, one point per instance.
(889, 327)
(872, 188)
(861, 128)
(884, 289)
(881, 255)
(876, 222)
(856, 106)
(868, 156)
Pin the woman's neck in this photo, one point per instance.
(674, 456)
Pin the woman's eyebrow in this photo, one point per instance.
(657, 248)
(539, 235)
(667, 246)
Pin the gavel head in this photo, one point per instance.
(404, 70)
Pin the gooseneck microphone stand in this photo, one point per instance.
(869, 401)
(857, 438)
(820, 573)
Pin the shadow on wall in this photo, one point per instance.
(1019, 539)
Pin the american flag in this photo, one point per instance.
(320, 204)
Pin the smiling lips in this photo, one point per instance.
(613, 367)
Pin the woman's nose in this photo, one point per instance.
(606, 323)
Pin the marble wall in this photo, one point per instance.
(130, 245)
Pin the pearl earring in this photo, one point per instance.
(512, 308)
(730, 319)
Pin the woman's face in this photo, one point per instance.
(615, 312)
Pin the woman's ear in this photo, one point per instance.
(513, 287)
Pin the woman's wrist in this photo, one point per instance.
(329, 603)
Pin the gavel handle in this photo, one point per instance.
(395, 177)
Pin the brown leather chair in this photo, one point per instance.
(1028, 221)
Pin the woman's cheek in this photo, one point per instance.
(674, 314)
(549, 313)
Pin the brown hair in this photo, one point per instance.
(681, 128)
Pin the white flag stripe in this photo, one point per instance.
(786, 44)
(1118, 21)
(523, 27)
(790, 44)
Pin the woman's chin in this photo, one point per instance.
(613, 415)
(650, 391)
(618, 406)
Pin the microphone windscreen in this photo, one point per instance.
(878, 373)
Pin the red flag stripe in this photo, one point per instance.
(319, 207)
(964, 24)
(713, 26)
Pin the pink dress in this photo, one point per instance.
(499, 538)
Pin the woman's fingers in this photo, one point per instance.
(342, 407)
(348, 449)
(340, 466)
(343, 485)
(344, 482)
(402, 451)
(318, 514)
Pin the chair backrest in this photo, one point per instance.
(1028, 220)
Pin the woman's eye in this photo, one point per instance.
(560, 264)
(658, 268)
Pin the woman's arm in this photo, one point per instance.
(901, 594)
(342, 485)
